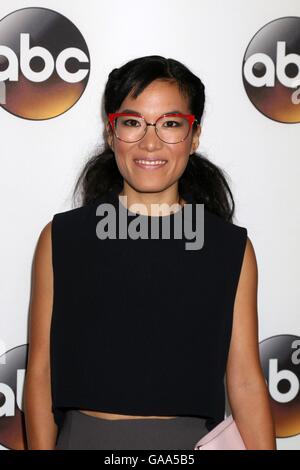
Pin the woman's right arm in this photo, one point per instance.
(41, 428)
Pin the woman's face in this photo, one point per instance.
(156, 99)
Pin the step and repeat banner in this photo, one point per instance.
(55, 57)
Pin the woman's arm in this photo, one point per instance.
(246, 386)
(41, 428)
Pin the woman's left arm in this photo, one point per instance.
(246, 386)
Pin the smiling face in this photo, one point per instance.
(156, 99)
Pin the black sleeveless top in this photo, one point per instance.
(142, 326)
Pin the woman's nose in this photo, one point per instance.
(151, 139)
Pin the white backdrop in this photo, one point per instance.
(40, 160)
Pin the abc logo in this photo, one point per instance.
(271, 70)
(44, 63)
(12, 377)
(280, 359)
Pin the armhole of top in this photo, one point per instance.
(53, 239)
(241, 256)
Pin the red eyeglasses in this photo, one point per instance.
(131, 127)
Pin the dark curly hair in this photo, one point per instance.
(204, 181)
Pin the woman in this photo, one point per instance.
(131, 335)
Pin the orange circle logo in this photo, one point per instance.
(44, 63)
(12, 376)
(271, 70)
(280, 360)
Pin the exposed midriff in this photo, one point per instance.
(103, 415)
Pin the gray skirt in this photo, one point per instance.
(81, 431)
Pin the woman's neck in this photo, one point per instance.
(151, 203)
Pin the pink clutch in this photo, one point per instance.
(225, 436)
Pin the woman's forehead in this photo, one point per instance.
(156, 97)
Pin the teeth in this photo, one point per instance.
(154, 162)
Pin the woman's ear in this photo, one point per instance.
(195, 140)
(110, 138)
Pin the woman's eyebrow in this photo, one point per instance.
(136, 112)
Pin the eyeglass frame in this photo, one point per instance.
(190, 117)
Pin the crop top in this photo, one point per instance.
(141, 326)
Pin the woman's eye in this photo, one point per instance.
(130, 121)
(174, 122)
